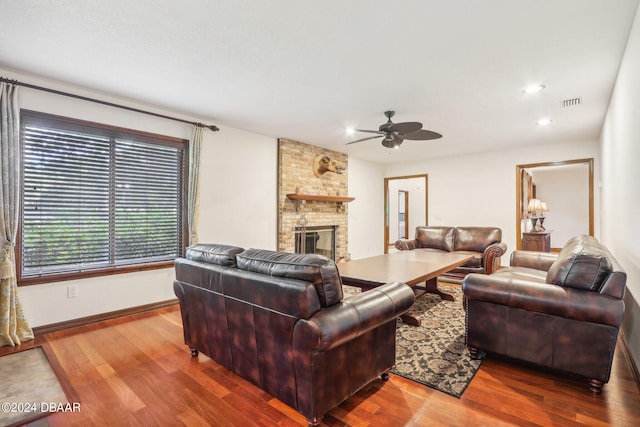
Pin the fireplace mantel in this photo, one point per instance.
(317, 198)
(338, 200)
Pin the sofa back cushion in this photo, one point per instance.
(583, 263)
(224, 255)
(476, 239)
(435, 237)
(249, 293)
(316, 269)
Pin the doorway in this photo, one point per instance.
(403, 214)
(566, 187)
(408, 194)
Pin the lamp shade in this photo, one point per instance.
(535, 205)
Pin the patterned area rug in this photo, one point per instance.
(28, 387)
(434, 354)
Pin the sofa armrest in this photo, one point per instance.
(353, 317)
(544, 298)
(533, 259)
(491, 255)
(178, 289)
(407, 244)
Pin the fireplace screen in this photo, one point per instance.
(317, 240)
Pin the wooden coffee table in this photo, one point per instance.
(410, 267)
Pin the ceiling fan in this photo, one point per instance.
(393, 134)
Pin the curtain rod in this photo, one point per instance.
(110, 104)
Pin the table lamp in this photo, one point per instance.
(536, 206)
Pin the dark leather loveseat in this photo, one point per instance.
(484, 243)
(279, 320)
(558, 311)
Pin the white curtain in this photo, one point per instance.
(14, 329)
(193, 192)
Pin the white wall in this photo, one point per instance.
(366, 219)
(238, 203)
(620, 182)
(417, 204)
(238, 189)
(480, 189)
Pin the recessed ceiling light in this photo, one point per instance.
(543, 122)
(350, 131)
(533, 88)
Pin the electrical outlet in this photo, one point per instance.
(72, 291)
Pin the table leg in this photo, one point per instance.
(410, 319)
(431, 287)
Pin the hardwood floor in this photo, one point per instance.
(136, 370)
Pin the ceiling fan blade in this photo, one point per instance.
(365, 139)
(404, 128)
(369, 131)
(422, 135)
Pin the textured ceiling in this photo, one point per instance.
(306, 70)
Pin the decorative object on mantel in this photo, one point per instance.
(323, 164)
(536, 207)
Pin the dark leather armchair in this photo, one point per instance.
(558, 311)
(484, 243)
(279, 320)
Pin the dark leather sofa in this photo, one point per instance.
(484, 243)
(279, 320)
(558, 311)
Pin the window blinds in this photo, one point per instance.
(94, 200)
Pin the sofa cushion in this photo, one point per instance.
(522, 273)
(432, 250)
(476, 239)
(224, 255)
(435, 237)
(582, 263)
(312, 268)
(476, 261)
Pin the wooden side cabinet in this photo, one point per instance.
(539, 241)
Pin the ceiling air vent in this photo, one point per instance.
(571, 102)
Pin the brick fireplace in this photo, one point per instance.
(296, 175)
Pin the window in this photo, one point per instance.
(98, 199)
